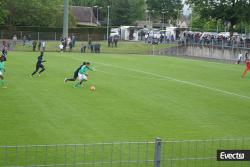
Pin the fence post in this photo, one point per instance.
(157, 153)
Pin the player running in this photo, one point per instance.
(82, 74)
(75, 73)
(2, 70)
(247, 68)
(4, 53)
(39, 65)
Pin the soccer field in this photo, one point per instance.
(137, 98)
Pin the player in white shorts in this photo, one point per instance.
(82, 74)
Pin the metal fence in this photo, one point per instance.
(220, 51)
(34, 35)
(185, 153)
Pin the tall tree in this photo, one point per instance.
(231, 12)
(170, 8)
(33, 12)
(121, 11)
(3, 11)
(136, 10)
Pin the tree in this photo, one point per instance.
(121, 11)
(33, 12)
(136, 10)
(231, 12)
(3, 11)
(170, 8)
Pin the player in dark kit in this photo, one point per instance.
(75, 73)
(39, 65)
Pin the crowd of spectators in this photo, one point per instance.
(211, 38)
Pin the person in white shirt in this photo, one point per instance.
(239, 58)
(61, 47)
(43, 46)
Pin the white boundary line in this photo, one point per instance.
(178, 80)
(175, 80)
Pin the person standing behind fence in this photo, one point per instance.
(90, 42)
(14, 40)
(73, 40)
(69, 40)
(64, 42)
(61, 47)
(146, 38)
(116, 40)
(109, 41)
(39, 46)
(34, 43)
(43, 46)
(24, 40)
(239, 58)
(70, 46)
(246, 56)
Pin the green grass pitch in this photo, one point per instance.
(137, 98)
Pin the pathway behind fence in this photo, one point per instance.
(158, 153)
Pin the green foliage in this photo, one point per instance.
(230, 12)
(121, 11)
(32, 13)
(3, 11)
(201, 24)
(171, 8)
(50, 12)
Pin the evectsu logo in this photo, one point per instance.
(233, 155)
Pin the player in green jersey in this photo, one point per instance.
(2, 70)
(82, 74)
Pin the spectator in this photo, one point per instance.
(83, 48)
(14, 40)
(34, 43)
(43, 46)
(39, 45)
(24, 40)
(161, 38)
(61, 47)
(109, 41)
(29, 37)
(116, 40)
(239, 58)
(70, 46)
(73, 40)
(69, 40)
(90, 41)
(97, 48)
(146, 38)
(246, 56)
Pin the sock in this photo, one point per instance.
(82, 81)
(77, 84)
(2, 83)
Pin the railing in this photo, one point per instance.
(185, 153)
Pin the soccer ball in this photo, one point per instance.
(92, 88)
